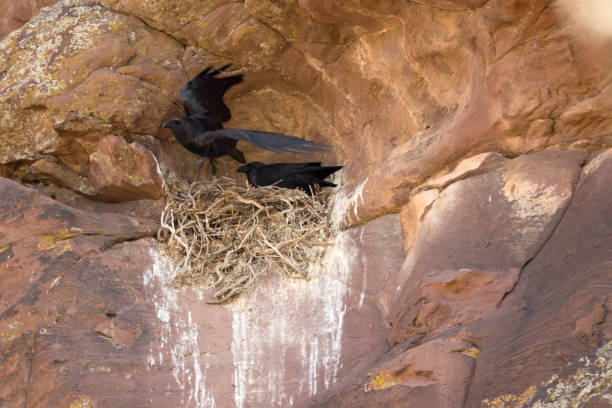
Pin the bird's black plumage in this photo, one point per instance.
(201, 131)
(289, 175)
(203, 95)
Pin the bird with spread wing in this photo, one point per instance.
(201, 129)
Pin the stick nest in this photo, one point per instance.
(224, 235)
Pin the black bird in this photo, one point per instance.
(201, 131)
(289, 175)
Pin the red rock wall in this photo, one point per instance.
(17, 13)
(475, 261)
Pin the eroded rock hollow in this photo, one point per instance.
(474, 263)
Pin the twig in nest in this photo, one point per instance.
(224, 235)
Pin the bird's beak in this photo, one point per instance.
(166, 124)
(242, 169)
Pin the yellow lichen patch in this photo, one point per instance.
(12, 331)
(472, 352)
(135, 179)
(510, 400)
(384, 379)
(50, 241)
(592, 378)
(83, 401)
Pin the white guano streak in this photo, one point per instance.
(178, 337)
(301, 320)
(344, 203)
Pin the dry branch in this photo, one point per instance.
(224, 235)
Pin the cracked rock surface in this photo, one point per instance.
(474, 265)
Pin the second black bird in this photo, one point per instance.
(201, 129)
(289, 175)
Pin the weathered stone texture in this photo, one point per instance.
(555, 315)
(123, 172)
(475, 198)
(64, 72)
(17, 13)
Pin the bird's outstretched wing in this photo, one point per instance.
(203, 95)
(274, 142)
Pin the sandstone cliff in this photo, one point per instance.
(474, 264)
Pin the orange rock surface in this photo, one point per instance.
(475, 203)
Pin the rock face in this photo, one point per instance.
(69, 298)
(473, 269)
(17, 13)
(122, 172)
